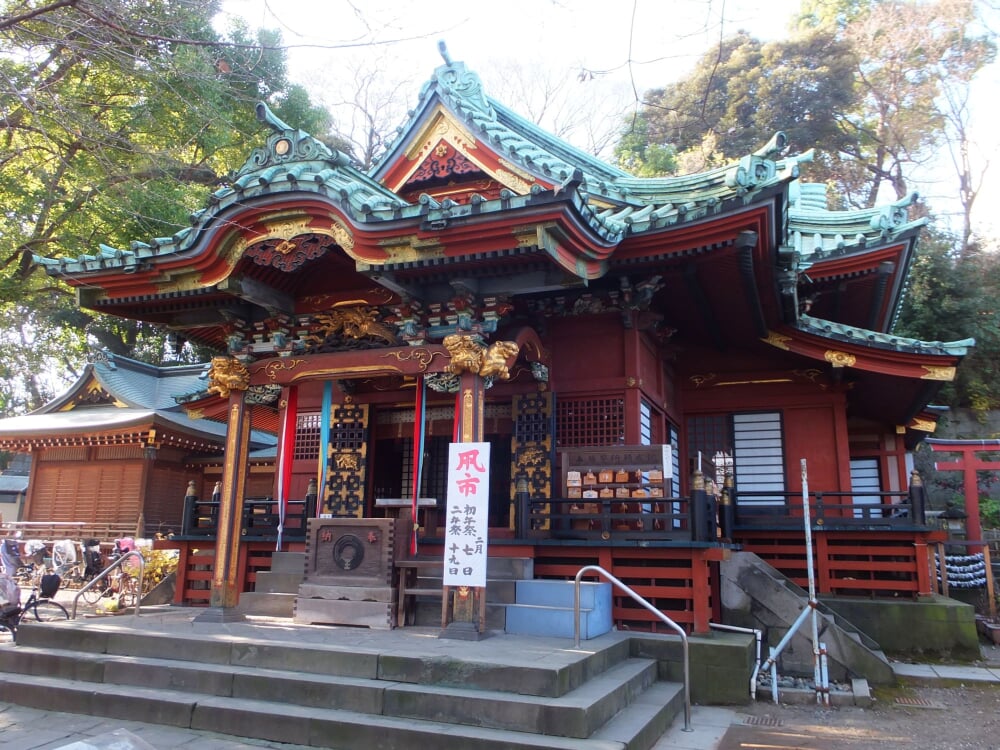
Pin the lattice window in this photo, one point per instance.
(434, 475)
(347, 436)
(532, 427)
(590, 422)
(308, 429)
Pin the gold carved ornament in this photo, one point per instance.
(938, 373)
(466, 353)
(776, 339)
(839, 359)
(226, 375)
(469, 355)
(347, 461)
(353, 322)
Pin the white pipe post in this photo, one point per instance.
(824, 673)
(774, 678)
(817, 677)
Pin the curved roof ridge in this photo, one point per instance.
(521, 141)
(289, 160)
(838, 232)
(829, 328)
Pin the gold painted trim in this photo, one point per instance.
(467, 416)
(923, 425)
(938, 373)
(341, 372)
(518, 171)
(776, 339)
(422, 356)
(272, 368)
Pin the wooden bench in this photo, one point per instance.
(409, 588)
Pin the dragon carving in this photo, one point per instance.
(351, 322)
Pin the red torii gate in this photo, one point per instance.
(969, 463)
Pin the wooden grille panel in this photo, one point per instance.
(112, 452)
(582, 422)
(66, 453)
(308, 431)
(106, 493)
(869, 563)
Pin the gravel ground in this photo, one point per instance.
(951, 718)
(955, 717)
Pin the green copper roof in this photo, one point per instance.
(612, 203)
(816, 233)
(838, 331)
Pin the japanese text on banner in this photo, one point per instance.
(467, 521)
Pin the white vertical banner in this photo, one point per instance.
(467, 520)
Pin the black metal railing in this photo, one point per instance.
(669, 518)
(260, 518)
(831, 510)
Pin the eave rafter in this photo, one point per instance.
(853, 266)
(844, 354)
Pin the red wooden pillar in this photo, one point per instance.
(922, 561)
(821, 559)
(633, 385)
(700, 592)
(226, 574)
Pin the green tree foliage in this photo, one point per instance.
(953, 296)
(117, 119)
(861, 81)
(741, 94)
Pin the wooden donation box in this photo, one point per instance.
(349, 572)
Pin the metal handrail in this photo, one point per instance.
(100, 577)
(666, 620)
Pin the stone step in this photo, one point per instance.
(577, 714)
(428, 613)
(277, 583)
(273, 722)
(288, 562)
(646, 718)
(330, 660)
(267, 604)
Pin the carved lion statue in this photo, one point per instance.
(466, 353)
(495, 359)
(227, 374)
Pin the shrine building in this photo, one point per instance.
(662, 367)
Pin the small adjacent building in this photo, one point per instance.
(115, 451)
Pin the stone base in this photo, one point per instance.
(463, 631)
(220, 614)
(369, 614)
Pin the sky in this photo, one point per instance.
(604, 55)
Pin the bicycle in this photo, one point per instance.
(41, 608)
(120, 583)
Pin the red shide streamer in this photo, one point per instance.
(418, 456)
(286, 449)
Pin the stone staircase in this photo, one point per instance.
(756, 595)
(304, 687)
(502, 576)
(276, 590)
